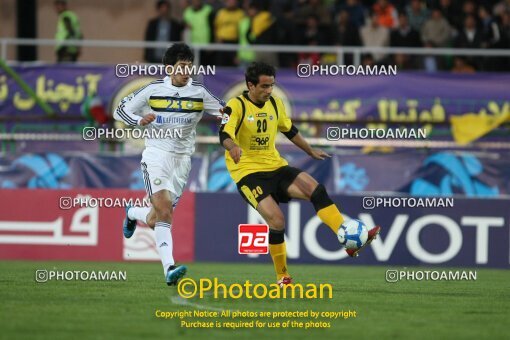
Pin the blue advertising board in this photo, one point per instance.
(474, 232)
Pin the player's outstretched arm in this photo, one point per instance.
(301, 143)
(292, 133)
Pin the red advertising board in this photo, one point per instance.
(84, 224)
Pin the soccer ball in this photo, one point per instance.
(353, 234)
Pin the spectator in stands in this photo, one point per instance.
(403, 61)
(216, 4)
(346, 33)
(386, 14)
(469, 8)
(450, 11)
(367, 60)
(177, 11)
(313, 32)
(417, 14)
(505, 28)
(262, 24)
(504, 65)
(404, 36)
(470, 36)
(436, 31)
(262, 30)
(198, 18)
(375, 35)
(400, 5)
(226, 26)
(490, 29)
(494, 38)
(501, 7)
(355, 9)
(68, 28)
(310, 58)
(313, 35)
(313, 7)
(245, 55)
(287, 34)
(461, 65)
(161, 29)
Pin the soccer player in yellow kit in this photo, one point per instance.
(264, 179)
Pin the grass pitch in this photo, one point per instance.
(126, 309)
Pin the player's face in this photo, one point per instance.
(262, 91)
(181, 72)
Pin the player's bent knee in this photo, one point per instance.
(163, 214)
(320, 198)
(306, 184)
(276, 222)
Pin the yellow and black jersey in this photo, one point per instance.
(254, 128)
(226, 24)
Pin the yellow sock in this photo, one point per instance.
(331, 217)
(279, 254)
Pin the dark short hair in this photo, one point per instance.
(257, 69)
(176, 52)
(161, 3)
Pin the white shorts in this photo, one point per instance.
(163, 170)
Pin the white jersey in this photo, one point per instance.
(178, 109)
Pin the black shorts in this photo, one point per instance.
(257, 186)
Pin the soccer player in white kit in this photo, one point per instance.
(177, 103)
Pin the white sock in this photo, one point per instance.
(139, 213)
(163, 233)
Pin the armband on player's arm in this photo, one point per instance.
(292, 132)
(223, 136)
(227, 111)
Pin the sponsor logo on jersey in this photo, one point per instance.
(224, 119)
